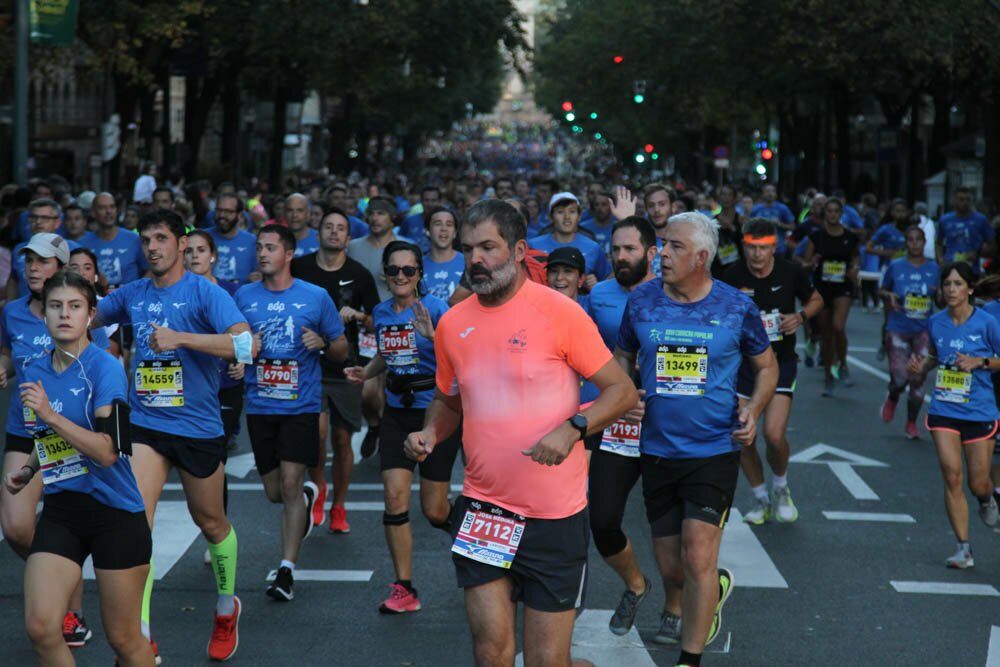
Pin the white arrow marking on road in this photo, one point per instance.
(326, 575)
(842, 469)
(173, 533)
(743, 553)
(240, 465)
(944, 588)
(993, 652)
(258, 486)
(869, 516)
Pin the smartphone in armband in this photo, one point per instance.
(118, 426)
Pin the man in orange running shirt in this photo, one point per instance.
(509, 363)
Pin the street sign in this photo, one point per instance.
(720, 152)
(721, 163)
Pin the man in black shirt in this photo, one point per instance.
(774, 284)
(353, 290)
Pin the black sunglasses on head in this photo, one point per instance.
(392, 270)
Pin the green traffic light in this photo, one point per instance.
(639, 98)
(655, 156)
(598, 135)
(570, 117)
(593, 115)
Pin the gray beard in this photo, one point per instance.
(498, 283)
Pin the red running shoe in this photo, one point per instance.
(317, 513)
(338, 520)
(225, 635)
(400, 601)
(889, 409)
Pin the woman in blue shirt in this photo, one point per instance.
(92, 504)
(909, 288)
(404, 326)
(962, 418)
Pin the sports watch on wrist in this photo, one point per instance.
(579, 422)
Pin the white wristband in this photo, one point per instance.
(243, 347)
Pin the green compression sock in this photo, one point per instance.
(224, 565)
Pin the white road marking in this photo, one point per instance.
(240, 465)
(743, 553)
(173, 533)
(869, 516)
(593, 641)
(258, 486)
(326, 575)
(993, 652)
(843, 469)
(944, 588)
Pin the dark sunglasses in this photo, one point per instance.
(392, 270)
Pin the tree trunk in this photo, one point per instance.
(941, 132)
(278, 137)
(231, 150)
(198, 105)
(842, 110)
(147, 125)
(914, 148)
(991, 162)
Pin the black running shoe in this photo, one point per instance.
(370, 444)
(281, 588)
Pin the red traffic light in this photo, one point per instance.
(567, 106)
(648, 148)
(767, 154)
(619, 60)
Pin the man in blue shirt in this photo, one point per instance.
(600, 221)
(443, 265)
(183, 324)
(297, 214)
(413, 227)
(296, 322)
(119, 252)
(564, 211)
(964, 235)
(690, 334)
(769, 207)
(237, 259)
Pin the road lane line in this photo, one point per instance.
(852, 481)
(944, 588)
(743, 553)
(993, 652)
(257, 486)
(869, 516)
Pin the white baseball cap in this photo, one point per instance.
(561, 197)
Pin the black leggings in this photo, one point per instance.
(612, 477)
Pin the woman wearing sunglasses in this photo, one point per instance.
(404, 326)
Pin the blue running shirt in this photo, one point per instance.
(27, 338)
(689, 355)
(964, 394)
(237, 258)
(120, 259)
(285, 378)
(597, 262)
(440, 280)
(915, 287)
(173, 392)
(405, 351)
(96, 381)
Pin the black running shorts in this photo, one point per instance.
(199, 457)
(289, 438)
(76, 525)
(550, 567)
(397, 424)
(678, 489)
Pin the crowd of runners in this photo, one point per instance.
(558, 340)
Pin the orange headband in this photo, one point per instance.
(761, 240)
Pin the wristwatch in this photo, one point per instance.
(986, 362)
(579, 422)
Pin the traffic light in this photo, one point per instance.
(767, 154)
(570, 117)
(640, 158)
(648, 148)
(598, 135)
(639, 91)
(567, 106)
(618, 60)
(593, 115)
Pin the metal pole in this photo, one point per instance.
(21, 94)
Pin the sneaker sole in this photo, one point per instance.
(338, 531)
(660, 639)
(278, 594)
(718, 608)
(755, 522)
(959, 566)
(387, 610)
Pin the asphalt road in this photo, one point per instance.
(858, 579)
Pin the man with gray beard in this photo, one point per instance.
(509, 360)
